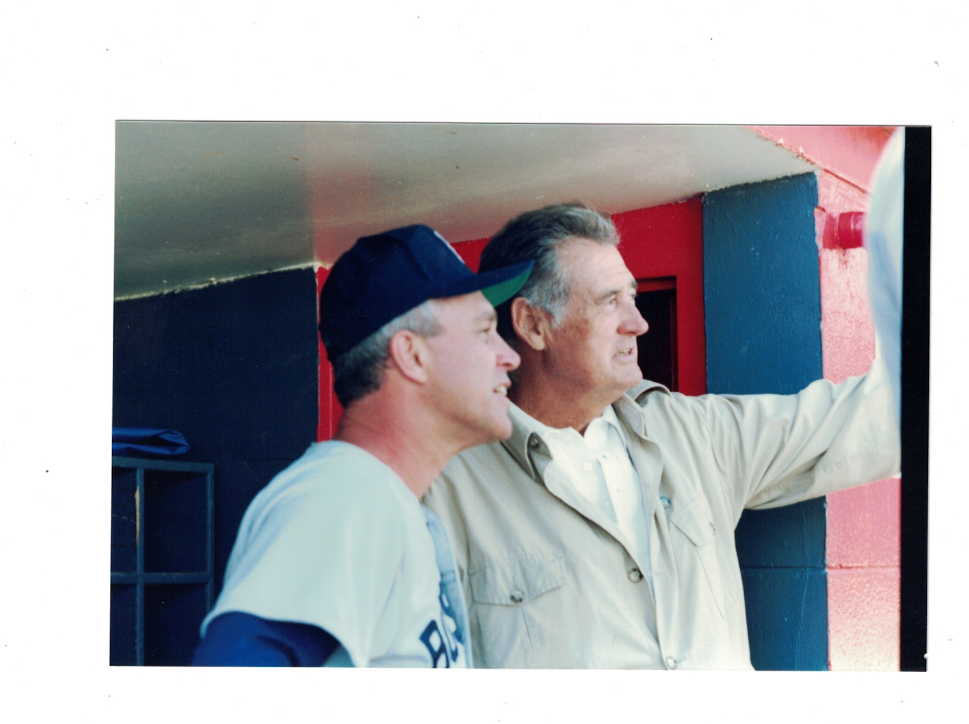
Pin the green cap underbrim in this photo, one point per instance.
(505, 290)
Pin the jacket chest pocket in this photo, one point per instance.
(521, 613)
(695, 522)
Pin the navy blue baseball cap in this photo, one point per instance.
(386, 275)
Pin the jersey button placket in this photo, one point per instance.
(517, 596)
(635, 575)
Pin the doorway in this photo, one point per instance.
(656, 301)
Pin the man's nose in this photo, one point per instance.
(633, 322)
(507, 357)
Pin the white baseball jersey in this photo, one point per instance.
(337, 540)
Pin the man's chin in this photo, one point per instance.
(503, 432)
(629, 379)
(494, 433)
(502, 429)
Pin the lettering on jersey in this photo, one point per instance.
(441, 641)
(435, 645)
(450, 618)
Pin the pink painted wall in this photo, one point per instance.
(863, 524)
(849, 152)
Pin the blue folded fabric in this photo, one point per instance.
(147, 440)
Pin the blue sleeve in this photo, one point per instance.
(240, 639)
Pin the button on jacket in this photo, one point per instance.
(552, 582)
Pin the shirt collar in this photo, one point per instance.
(527, 431)
(609, 417)
(629, 407)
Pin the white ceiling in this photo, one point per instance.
(197, 202)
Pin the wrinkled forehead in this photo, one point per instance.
(588, 267)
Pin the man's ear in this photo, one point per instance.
(531, 323)
(410, 355)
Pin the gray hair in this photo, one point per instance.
(360, 371)
(535, 236)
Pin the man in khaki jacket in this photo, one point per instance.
(600, 534)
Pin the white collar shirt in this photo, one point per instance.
(597, 466)
(605, 438)
(552, 582)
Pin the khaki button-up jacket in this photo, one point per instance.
(551, 582)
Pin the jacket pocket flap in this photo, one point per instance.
(516, 580)
(695, 520)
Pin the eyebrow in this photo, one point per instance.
(487, 316)
(612, 292)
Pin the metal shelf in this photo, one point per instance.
(139, 578)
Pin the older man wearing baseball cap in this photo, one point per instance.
(336, 561)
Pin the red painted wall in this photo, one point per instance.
(667, 241)
(330, 409)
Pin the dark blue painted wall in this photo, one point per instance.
(234, 367)
(762, 302)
